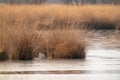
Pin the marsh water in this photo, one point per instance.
(102, 62)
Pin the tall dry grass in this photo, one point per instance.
(45, 16)
(25, 44)
(27, 30)
(18, 43)
(67, 43)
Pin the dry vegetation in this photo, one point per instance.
(18, 43)
(68, 43)
(45, 16)
(53, 30)
(25, 44)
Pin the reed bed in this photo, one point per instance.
(45, 16)
(55, 31)
(26, 44)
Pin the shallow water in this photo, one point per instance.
(102, 63)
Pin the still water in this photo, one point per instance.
(102, 63)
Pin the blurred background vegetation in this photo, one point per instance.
(61, 1)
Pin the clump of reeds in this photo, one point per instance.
(66, 43)
(18, 44)
(25, 44)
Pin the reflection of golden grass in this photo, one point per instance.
(103, 16)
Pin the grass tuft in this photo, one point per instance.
(64, 43)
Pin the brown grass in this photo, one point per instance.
(45, 16)
(18, 44)
(25, 44)
(27, 30)
(67, 43)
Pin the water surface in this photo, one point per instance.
(102, 63)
